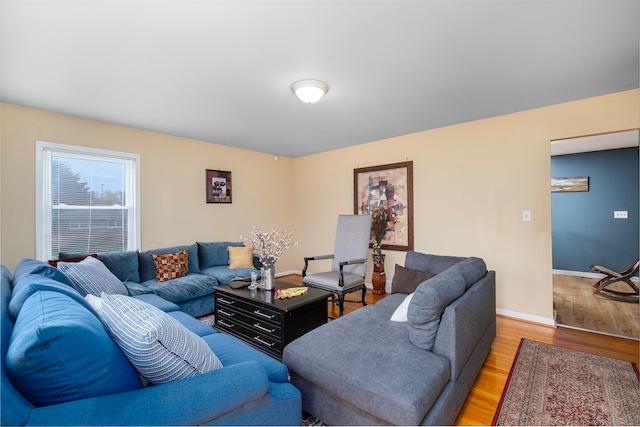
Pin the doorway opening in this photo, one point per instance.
(598, 179)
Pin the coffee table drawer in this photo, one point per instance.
(269, 342)
(231, 316)
(257, 311)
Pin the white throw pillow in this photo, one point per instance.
(159, 346)
(95, 303)
(400, 315)
(91, 276)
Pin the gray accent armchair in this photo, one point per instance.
(349, 264)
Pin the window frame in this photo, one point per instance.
(44, 154)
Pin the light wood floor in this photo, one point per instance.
(482, 402)
(577, 306)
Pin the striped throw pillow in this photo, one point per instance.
(91, 276)
(159, 346)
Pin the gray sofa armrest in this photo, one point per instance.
(465, 321)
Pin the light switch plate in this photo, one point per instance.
(526, 216)
(620, 214)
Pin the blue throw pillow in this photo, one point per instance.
(33, 266)
(59, 352)
(158, 345)
(124, 265)
(32, 283)
(91, 276)
(213, 254)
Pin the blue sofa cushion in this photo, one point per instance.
(158, 345)
(148, 267)
(43, 359)
(182, 288)
(33, 266)
(91, 276)
(157, 302)
(32, 283)
(213, 254)
(232, 351)
(428, 303)
(225, 274)
(123, 264)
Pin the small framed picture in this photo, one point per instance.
(218, 186)
(570, 184)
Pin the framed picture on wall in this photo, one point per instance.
(218, 184)
(386, 192)
(570, 184)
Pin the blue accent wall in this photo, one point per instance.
(584, 231)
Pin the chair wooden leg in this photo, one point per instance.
(340, 303)
(364, 294)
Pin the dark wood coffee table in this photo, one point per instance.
(264, 322)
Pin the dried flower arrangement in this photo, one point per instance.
(379, 228)
(270, 245)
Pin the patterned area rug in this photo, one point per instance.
(550, 385)
(209, 319)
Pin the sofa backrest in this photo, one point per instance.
(435, 264)
(148, 267)
(15, 408)
(215, 254)
(464, 322)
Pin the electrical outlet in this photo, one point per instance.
(620, 214)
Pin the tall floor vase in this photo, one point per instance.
(379, 278)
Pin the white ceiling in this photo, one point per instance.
(221, 71)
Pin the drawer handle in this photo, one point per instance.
(259, 313)
(226, 301)
(227, 325)
(224, 313)
(270, 344)
(262, 328)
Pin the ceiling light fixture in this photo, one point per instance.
(309, 91)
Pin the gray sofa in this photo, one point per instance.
(193, 293)
(364, 369)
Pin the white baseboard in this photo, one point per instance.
(587, 274)
(527, 317)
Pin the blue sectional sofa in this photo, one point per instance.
(62, 364)
(193, 293)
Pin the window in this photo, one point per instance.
(87, 200)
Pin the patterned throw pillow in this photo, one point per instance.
(91, 276)
(159, 346)
(240, 257)
(171, 266)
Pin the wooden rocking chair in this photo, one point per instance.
(613, 277)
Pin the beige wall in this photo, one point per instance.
(172, 187)
(471, 183)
